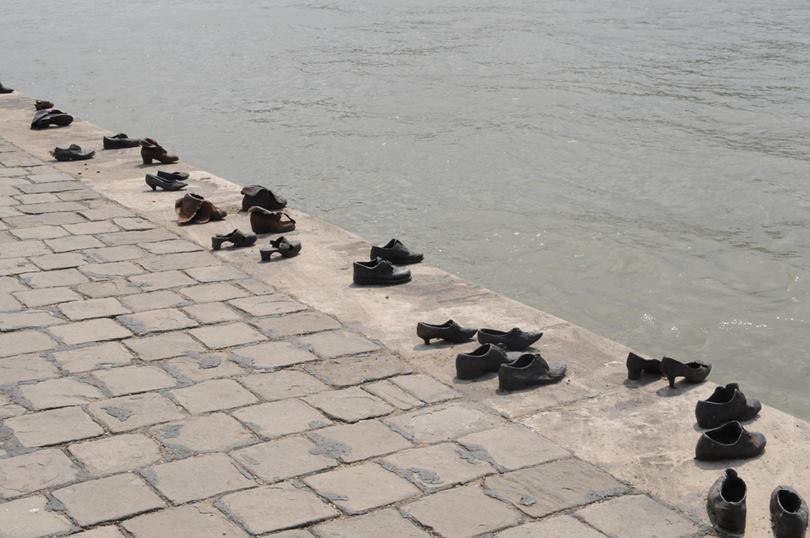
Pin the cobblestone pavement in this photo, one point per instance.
(148, 390)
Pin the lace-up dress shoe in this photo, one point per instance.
(156, 181)
(724, 405)
(514, 340)
(72, 153)
(288, 248)
(45, 118)
(152, 151)
(693, 372)
(120, 141)
(396, 252)
(637, 365)
(3, 89)
(726, 502)
(729, 442)
(237, 237)
(263, 221)
(258, 196)
(487, 358)
(380, 272)
(788, 513)
(528, 371)
(42, 105)
(449, 331)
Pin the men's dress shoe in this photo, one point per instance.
(637, 365)
(788, 513)
(173, 176)
(156, 181)
(693, 372)
(487, 358)
(42, 105)
(3, 89)
(237, 237)
(514, 340)
(288, 248)
(729, 442)
(263, 221)
(45, 118)
(258, 196)
(120, 141)
(395, 252)
(528, 371)
(726, 502)
(724, 405)
(380, 272)
(152, 151)
(449, 331)
(194, 209)
(72, 153)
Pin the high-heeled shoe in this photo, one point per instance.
(788, 513)
(3, 89)
(237, 237)
(156, 181)
(693, 372)
(514, 340)
(288, 248)
(726, 502)
(152, 151)
(637, 365)
(449, 331)
(173, 176)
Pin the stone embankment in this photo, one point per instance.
(152, 388)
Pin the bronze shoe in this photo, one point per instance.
(43, 105)
(152, 151)
(263, 221)
(194, 209)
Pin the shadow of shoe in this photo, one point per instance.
(681, 387)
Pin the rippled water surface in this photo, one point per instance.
(637, 167)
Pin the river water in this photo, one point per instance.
(637, 167)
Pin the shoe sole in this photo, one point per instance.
(376, 282)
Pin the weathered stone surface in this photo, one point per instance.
(8, 303)
(425, 388)
(9, 284)
(94, 330)
(215, 273)
(184, 260)
(554, 486)
(295, 533)
(348, 487)
(17, 249)
(637, 516)
(59, 393)
(199, 520)
(108, 271)
(349, 405)
(272, 355)
(171, 246)
(39, 232)
(132, 379)
(31, 198)
(107, 499)
(275, 419)
(279, 460)
(53, 427)
(25, 368)
(73, 242)
(207, 433)
(283, 384)
(115, 254)
(163, 346)
(231, 334)
(198, 478)
(12, 321)
(202, 367)
(15, 266)
(152, 321)
(85, 228)
(160, 281)
(212, 313)
(360, 441)
(108, 531)
(115, 454)
(25, 221)
(153, 300)
(47, 296)
(462, 513)
(133, 412)
(21, 342)
(333, 344)
(215, 291)
(31, 472)
(56, 186)
(392, 394)
(52, 279)
(106, 211)
(295, 324)
(554, 527)
(353, 370)
(380, 523)
(512, 447)
(93, 356)
(277, 507)
(442, 423)
(92, 308)
(437, 467)
(268, 305)
(213, 395)
(133, 223)
(107, 288)
(29, 518)
(131, 238)
(51, 207)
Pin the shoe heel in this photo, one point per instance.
(671, 379)
(427, 341)
(147, 160)
(216, 244)
(154, 188)
(634, 374)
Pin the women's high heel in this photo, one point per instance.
(693, 372)
(152, 151)
(637, 365)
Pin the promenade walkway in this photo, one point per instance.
(150, 388)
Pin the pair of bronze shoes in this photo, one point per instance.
(692, 372)
(194, 209)
(152, 151)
